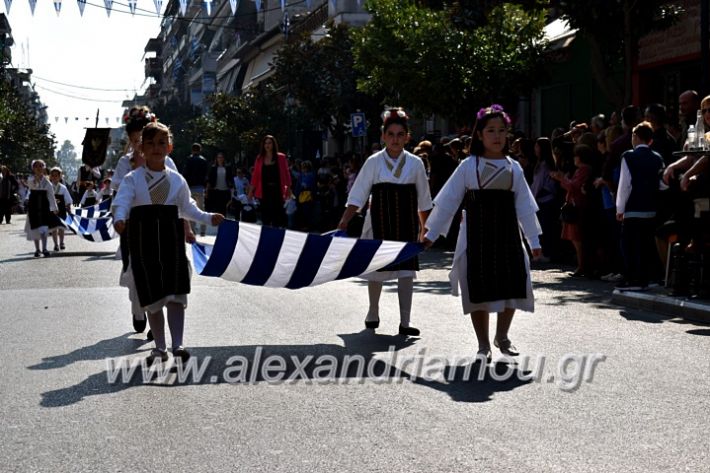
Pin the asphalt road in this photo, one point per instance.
(633, 394)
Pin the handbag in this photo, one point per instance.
(305, 197)
(569, 213)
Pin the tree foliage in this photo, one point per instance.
(320, 76)
(613, 29)
(180, 118)
(22, 136)
(426, 57)
(237, 124)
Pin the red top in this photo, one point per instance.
(284, 176)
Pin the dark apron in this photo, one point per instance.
(58, 220)
(89, 202)
(38, 209)
(155, 239)
(495, 254)
(394, 216)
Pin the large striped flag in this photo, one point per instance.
(273, 257)
(94, 223)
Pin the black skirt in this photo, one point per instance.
(38, 209)
(394, 216)
(156, 249)
(495, 254)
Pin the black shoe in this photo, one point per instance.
(37, 254)
(181, 353)
(156, 355)
(62, 247)
(149, 335)
(506, 347)
(409, 331)
(138, 324)
(373, 324)
(484, 354)
(45, 253)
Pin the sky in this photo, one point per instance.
(85, 53)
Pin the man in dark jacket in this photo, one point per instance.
(195, 173)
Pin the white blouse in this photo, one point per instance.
(134, 192)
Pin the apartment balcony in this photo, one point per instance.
(153, 67)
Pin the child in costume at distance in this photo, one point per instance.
(152, 200)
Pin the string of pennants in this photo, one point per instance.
(158, 4)
(66, 119)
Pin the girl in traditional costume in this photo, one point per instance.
(64, 201)
(491, 266)
(41, 205)
(149, 208)
(394, 182)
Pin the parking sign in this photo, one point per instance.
(357, 122)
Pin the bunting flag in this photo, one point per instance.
(8, 4)
(273, 257)
(183, 7)
(234, 4)
(57, 6)
(132, 6)
(283, 5)
(208, 6)
(33, 4)
(258, 5)
(109, 5)
(158, 5)
(82, 4)
(308, 4)
(66, 119)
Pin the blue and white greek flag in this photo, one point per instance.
(102, 209)
(273, 257)
(93, 229)
(94, 223)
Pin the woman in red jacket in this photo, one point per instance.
(271, 182)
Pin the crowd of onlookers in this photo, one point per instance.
(574, 175)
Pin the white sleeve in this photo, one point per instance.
(67, 196)
(526, 208)
(624, 189)
(188, 207)
(122, 168)
(446, 204)
(360, 192)
(121, 204)
(83, 198)
(423, 192)
(50, 195)
(169, 163)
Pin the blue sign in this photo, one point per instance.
(358, 124)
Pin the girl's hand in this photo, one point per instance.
(119, 226)
(190, 236)
(217, 219)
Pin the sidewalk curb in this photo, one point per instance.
(674, 306)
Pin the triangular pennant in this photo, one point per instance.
(258, 5)
(66, 119)
(158, 5)
(208, 6)
(118, 119)
(33, 4)
(283, 5)
(86, 119)
(82, 4)
(234, 4)
(57, 6)
(56, 119)
(8, 4)
(109, 5)
(76, 119)
(132, 6)
(308, 4)
(107, 120)
(183, 7)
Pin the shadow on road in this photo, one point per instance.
(109, 348)
(365, 358)
(92, 256)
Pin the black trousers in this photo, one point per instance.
(639, 250)
(5, 209)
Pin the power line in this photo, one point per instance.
(77, 97)
(82, 86)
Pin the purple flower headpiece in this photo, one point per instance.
(494, 108)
